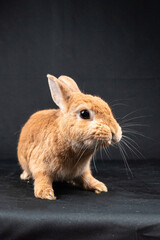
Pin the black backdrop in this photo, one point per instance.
(111, 48)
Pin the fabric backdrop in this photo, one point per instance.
(111, 48)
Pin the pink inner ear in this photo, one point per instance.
(56, 92)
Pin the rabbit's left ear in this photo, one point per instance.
(72, 85)
(60, 92)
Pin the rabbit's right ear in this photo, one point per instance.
(59, 92)
(70, 83)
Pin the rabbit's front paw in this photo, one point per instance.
(96, 186)
(44, 193)
(100, 187)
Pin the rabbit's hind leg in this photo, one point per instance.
(25, 175)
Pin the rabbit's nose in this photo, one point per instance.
(116, 137)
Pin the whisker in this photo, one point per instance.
(118, 100)
(94, 162)
(80, 151)
(130, 139)
(118, 104)
(80, 157)
(114, 145)
(136, 150)
(101, 152)
(107, 153)
(124, 149)
(131, 150)
(131, 131)
(125, 160)
(134, 124)
(129, 114)
(127, 120)
(108, 150)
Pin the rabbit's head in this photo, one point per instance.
(85, 121)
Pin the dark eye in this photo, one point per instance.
(85, 114)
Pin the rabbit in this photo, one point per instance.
(58, 144)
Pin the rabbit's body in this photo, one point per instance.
(42, 147)
(59, 144)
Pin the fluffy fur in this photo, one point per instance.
(59, 144)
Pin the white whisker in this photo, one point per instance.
(124, 149)
(79, 157)
(124, 159)
(131, 131)
(118, 104)
(130, 139)
(133, 147)
(118, 100)
(129, 114)
(130, 119)
(131, 150)
(134, 125)
(94, 157)
(101, 152)
(106, 152)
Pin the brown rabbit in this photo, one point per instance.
(58, 144)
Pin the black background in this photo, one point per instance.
(111, 48)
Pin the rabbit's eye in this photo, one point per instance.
(85, 114)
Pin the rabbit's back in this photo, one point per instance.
(34, 133)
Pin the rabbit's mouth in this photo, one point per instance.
(116, 137)
(106, 143)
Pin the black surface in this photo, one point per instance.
(110, 47)
(130, 210)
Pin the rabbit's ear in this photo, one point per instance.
(59, 92)
(70, 83)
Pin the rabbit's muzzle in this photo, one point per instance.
(116, 137)
(107, 135)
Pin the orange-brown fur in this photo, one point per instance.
(55, 145)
